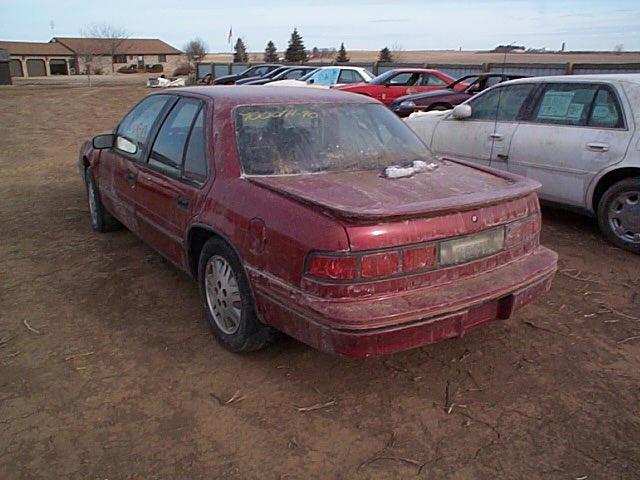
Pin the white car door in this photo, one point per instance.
(573, 132)
(484, 137)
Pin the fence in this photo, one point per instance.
(453, 70)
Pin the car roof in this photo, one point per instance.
(232, 95)
(616, 77)
(413, 69)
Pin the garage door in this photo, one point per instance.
(16, 68)
(36, 68)
(58, 66)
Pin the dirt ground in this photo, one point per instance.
(109, 371)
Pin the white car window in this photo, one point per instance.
(502, 103)
(565, 104)
(349, 76)
(325, 76)
(606, 112)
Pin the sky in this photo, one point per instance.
(360, 24)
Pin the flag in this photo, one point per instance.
(230, 35)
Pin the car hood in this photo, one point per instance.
(366, 196)
(354, 86)
(295, 83)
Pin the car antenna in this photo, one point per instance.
(495, 121)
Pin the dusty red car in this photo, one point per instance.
(319, 214)
(400, 82)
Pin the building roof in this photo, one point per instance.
(35, 48)
(129, 46)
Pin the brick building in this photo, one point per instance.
(70, 56)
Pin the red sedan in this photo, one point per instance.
(318, 214)
(399, 82)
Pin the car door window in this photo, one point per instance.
(565, 104)
(502, 103)
(195, 158)
(136, 126)
(349, 76)
(168, 148)
(433, 81)
(606, 111)
(403, 79)
(327, 76)
(293, 74)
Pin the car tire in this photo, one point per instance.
(619, 214)
(227, 300)
(101, 220)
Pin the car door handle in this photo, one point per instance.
(495, 136)
(131, 177)
(598, 147)
(183, 202)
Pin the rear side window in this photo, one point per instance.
(294, 74)
(606, 111)
(565, 104)
(349, 76)
(137, 124)
(501, 103)
(167, 152)
(195, 158)
(432, 80)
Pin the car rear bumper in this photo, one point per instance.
(385, 324)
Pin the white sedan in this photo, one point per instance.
(578, 135)
(326, 77)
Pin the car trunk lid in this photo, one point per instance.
(369, 197)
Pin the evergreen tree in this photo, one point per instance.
(270, 53)
(295, 51)
(342, 55)
(385, 55)
(240, 52)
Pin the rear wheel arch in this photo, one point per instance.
(197, 236)
(608, 180)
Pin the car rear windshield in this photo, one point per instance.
(307, 138)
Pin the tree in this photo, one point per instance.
(113, 37)
(295, 51)
(385, 55)
(195, 49)
(240, 52)
(270, 53)
(342, 55)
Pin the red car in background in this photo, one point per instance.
(399, 82)
(318, 214)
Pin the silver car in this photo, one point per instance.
(578, 135)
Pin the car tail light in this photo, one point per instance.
(418, 258)
(332, 267)
(379, 264)
(413, 259)
(517, 232)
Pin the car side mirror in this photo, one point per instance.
(101, 142)
(460, 112)
(126, 146)
(310, 81)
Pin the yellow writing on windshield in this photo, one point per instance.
(286, 113)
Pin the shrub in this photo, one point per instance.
(183, 69)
